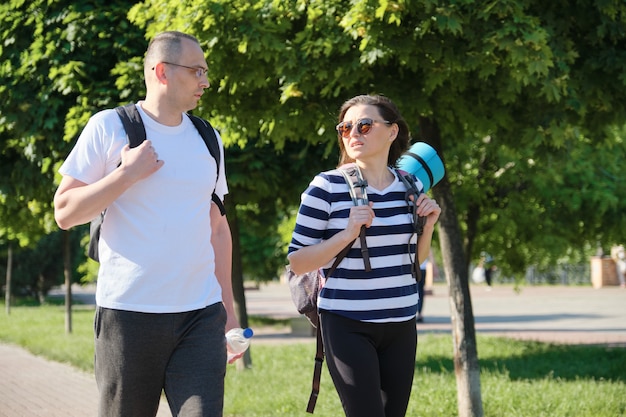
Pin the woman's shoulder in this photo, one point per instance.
(327, 183)
(412, 178)
(332, 176)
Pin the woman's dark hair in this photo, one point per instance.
(388, 111)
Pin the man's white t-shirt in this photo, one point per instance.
(155, 244)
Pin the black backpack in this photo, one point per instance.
(136, 132)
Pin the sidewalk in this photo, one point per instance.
(555, 314)
(31, 386)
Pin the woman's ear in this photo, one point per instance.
(393, 132)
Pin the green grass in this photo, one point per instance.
(518, 379)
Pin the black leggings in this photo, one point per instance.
(371, 364)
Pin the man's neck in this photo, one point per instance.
(161, 113)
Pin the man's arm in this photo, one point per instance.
(221, 240)
(77, 203)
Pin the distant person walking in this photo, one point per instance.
(420, 290)
(427, 269)
(619, 256)
(483, 272)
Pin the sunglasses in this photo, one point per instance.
(363, 126)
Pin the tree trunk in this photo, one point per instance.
(40, 288)
(67, 271)
(237, 278)
(466, 366)
(7, 294)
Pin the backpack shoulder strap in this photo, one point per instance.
(317, 370)
(357, 186)
(356, 183)
(210, 139)
(208, 135)
(133, 125)
(409, 182)
(136, 134)
(418, 222)
(319, 350)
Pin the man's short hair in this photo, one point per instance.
(166, 46)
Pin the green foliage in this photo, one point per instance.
(529, 106)
(263, 193)
(521, 96)
(56, 61)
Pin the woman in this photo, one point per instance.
(367, 318)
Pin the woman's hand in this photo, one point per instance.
(360, 216)
(427, 207)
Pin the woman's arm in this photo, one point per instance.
(310, 258)
(426, 207)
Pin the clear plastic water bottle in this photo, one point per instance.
(237, 341)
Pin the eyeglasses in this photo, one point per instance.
(363, 126)
(199, 70)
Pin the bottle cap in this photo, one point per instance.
(247, 333)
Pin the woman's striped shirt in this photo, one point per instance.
(388, 293)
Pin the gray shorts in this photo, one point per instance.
(139, 355)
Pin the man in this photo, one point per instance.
(619, 256)
(164, 294)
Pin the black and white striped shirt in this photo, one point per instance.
(388, 293)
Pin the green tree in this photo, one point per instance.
(57, 59)
(510, 90)
(526, 107)
(265, 185)
(56, 64)
(37, 269)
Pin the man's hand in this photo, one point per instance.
(140, 162)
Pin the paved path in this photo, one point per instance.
(34, 387)
(579, 315)
(31, 386)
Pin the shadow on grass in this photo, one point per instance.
(536, 360)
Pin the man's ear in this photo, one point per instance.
(159, 72)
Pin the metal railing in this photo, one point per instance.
(566, 274)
